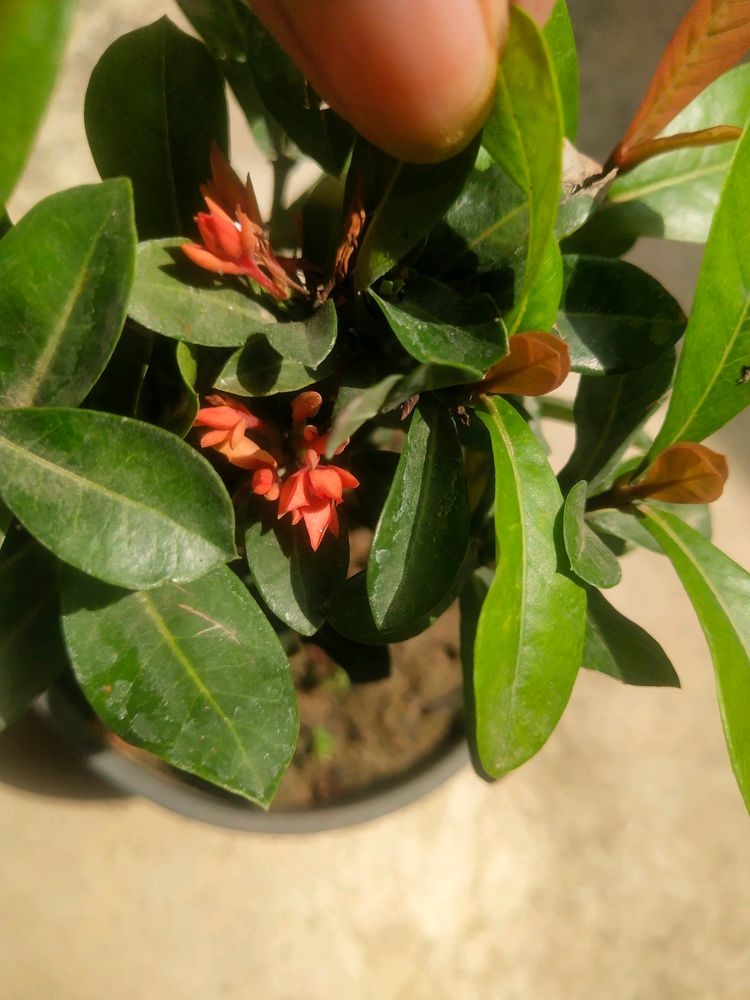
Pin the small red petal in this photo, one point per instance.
(225, 232)
(294, 493)
(348, 481)
(211, 438)
(326, 482)
(219, 416)
(317, 521)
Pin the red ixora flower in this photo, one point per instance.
(313, 493)
(234, 240)
(230, 422)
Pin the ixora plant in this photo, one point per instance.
(196, 418)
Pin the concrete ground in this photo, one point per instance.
(616, 865)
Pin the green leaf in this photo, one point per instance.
(471, 600)
(223, 25)
(558, 33)
(423, 532)
(32, 37)
(294, 581)
(623, 525)
(618, 647)
(32, 653)
(483, 229)
(590, 559)
(173, 297)
(524, 136)
(258, 369)
(543, 301)
(531, 629)
(614, 317)
(358, 405)
(123, 501)
(187, 365)
(439, 327)
(674, 196)
(719, 590)
(609, 411)
(120, 385)
(154, 104)
(309, 341)
(193, 673)
(412, 200)
(282, 87)
(65, 276)
(349, 612)
(710, 388)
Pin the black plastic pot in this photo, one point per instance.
(147, 777)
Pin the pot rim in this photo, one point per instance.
(166, 788)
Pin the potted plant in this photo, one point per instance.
(248, 462)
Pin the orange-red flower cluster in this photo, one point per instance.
(311, 492)
(234, 240)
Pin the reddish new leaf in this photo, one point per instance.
(537, 363)
(684, 473)
(713, 36)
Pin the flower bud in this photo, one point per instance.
(683, 473)
(537, 363)
(414, 77)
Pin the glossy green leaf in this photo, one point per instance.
(294, 581)
(375, 470)
(187, 365)
(224, 26)
(120, 385)
(531, 629)
(349, 612)
(32, 653)
(674, 196)
(154, 105)
(257, 369)
(710, 388)
(590, 559)
(358, 405)
(623, 525)
(119, 499)
(282, 87)
(471, 600)
(412, 200)
(558, 33)
(719, 590)
(524, 136)
(616, 646)
(483, 230)
(173, 297)
(543, 300)
(439, 327)
(423, 532)
(65, 276)
(614, 317)
(193, 673)
(32, 37)
(609, 411)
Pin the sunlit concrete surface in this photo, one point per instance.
(616, 865)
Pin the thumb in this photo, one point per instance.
(414, 77)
